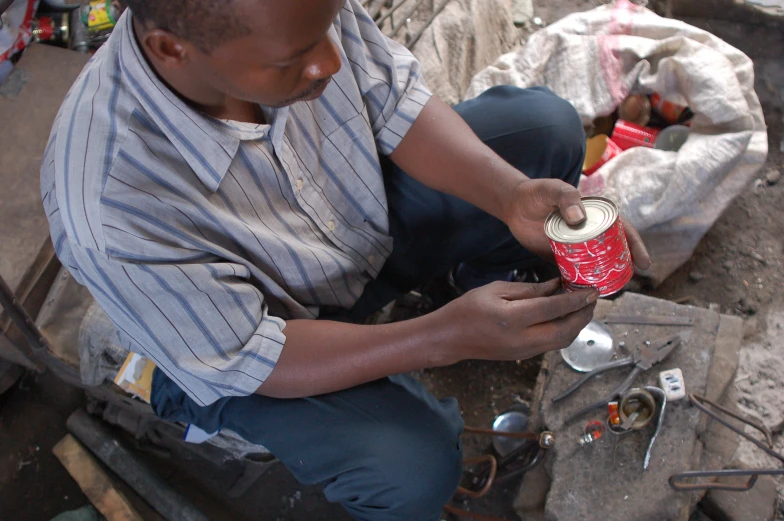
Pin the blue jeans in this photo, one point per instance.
(388, 450)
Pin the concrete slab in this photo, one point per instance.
(605, 481)
(757, 504)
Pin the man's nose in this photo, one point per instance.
(325, 61)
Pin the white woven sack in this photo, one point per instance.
(595, 59)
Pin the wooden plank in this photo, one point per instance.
(10, 351)
(36, 280)
(93, 481)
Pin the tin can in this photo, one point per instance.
(599, 150)
(52, 28)
(594, 254)
(636, 108)
(672, 138)
(671, 112)
(99, 16)
(629, 135)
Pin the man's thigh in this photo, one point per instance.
(387, 450)
(532, 129)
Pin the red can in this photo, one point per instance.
(629, 135)
(594, 254)
(671, 112)
(599, 150)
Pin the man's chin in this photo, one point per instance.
(309, 95)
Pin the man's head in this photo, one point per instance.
(272, 52)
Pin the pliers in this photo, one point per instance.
(643, 360)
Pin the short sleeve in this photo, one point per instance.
(388, 75)
(202, 322)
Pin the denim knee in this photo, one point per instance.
(408, 477)
(563, 124)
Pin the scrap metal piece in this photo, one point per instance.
(677, 481)
(510, 421)
(649, 320)
(659, 423)
(642, 361)
(592, 348)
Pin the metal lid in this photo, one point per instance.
(601, 214)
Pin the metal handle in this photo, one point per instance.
(623, 362)
(676, 481)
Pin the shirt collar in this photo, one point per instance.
(203, 142)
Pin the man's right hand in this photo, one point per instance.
(502, 321)
(515, 321)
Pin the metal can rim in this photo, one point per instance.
(555, 216)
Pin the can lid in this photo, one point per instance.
(601, 214)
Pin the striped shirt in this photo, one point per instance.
(200, 237)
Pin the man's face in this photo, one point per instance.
(287, 57)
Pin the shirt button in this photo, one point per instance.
(300, 184)
(331, 226)
(372, 259)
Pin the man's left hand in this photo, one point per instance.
(535, 199)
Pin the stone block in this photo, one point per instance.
(533, 492)
(605, 481)
(757, 504)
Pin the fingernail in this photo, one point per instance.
(593, 297)
(575, 214)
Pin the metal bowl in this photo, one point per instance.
(510, 421)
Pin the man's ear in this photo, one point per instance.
(165, 48)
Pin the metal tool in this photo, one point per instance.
(677, 481)
(592, 348)
(643, 360)
(661, 394)
(649, 320)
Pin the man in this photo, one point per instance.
(225, 173)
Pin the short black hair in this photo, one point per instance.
(205, 23)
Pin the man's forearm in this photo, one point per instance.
(324, 356)
(441, 151)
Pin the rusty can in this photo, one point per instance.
(671, 112)
(599, 150)
(636, 108)
(629, 135)
(594, 254)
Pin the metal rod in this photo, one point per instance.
(675, 481)
(374, 7)
(165, 500)
(405, 17)
(659, 422)
(530, 436)
(418, 35)
(649, 320)
(390, 12)
(698, 401)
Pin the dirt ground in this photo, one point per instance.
(737, 268)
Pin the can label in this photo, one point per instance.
(629, 135)
(671, 112)
(97, 16)
(602, 147)
(602, 262)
